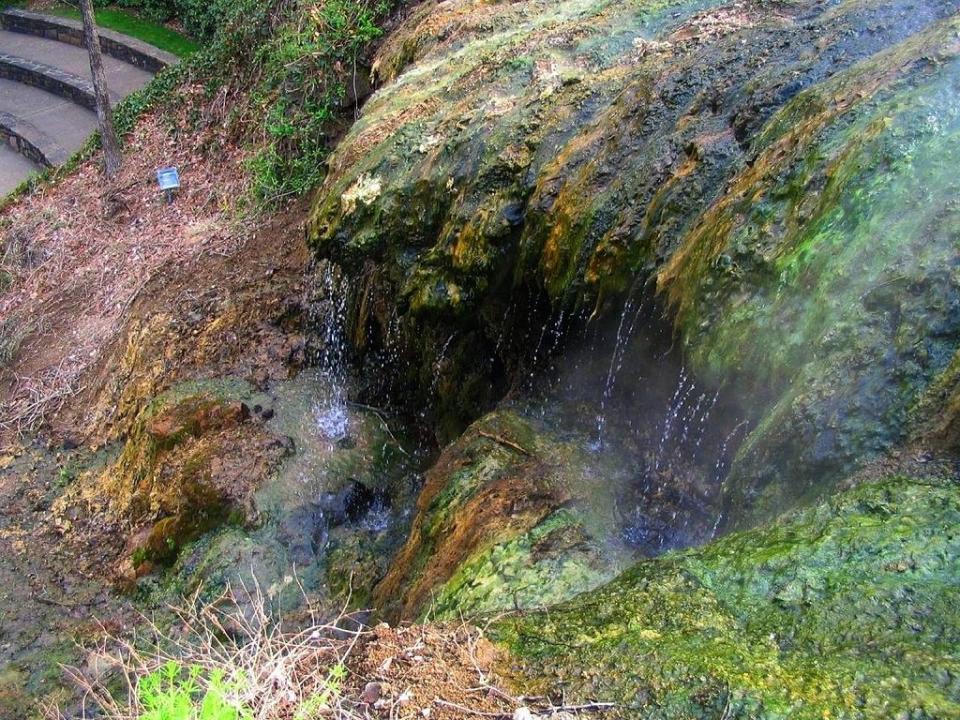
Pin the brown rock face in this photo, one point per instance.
(191, 463)
(195, 417)
(475, 495)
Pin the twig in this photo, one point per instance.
(57, 603)
(504, 441)
(383, 421)
(470, 711)
(588, 707)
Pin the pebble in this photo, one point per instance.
(371, 693)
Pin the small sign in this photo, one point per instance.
(168, 179)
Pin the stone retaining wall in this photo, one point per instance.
(31, 142)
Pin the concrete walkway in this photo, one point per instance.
(65, 122)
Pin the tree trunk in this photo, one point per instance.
(108, 134)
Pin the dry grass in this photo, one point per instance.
(273, 672)
(337, 669)
(40, 393)
(12, 335)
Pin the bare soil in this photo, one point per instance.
(428, 671)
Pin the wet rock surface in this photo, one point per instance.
(52, 591)
(324, 519)
(772, 168)
(504, 522)
(191, 464)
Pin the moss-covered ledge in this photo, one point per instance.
(843, 610)
(512, 515)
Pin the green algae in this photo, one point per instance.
(854, 317)
(551, 562)
(841, 610)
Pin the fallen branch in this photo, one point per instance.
(537, 712)
(508, 443)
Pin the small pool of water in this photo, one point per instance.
(339, 503)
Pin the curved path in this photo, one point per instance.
(45, 91)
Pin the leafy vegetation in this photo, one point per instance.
(311, 79)
(294, 73)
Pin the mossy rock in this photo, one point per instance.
(170, 439)
(324, 520)
(824, 280)
(510, 516)
(191, 463)
(845, 610)
(784, 174)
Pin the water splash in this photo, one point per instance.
(675, 414)
(331, 418)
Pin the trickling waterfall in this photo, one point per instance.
(669, 435)
(624, 334)
(326, 314)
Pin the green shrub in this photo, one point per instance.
(200, 18)
(175, 693)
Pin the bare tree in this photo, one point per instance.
(108, 134)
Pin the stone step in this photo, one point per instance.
(31, 142)
(67, 123)
(116, 45)
(53, 80)
(47, 102)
